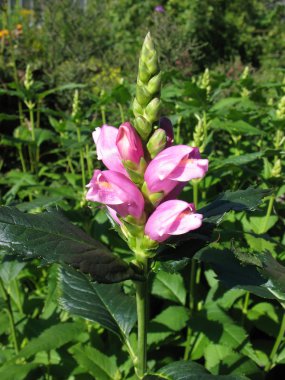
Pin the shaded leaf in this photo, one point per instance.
(64, 333)
(169, 321)
(258, 273)
(239, 200)
(51, 237)
(105, 304)
(96, 363)
(186, 370)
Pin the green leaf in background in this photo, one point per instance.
(39, 203)
(16, 371)
(219, 358)
(169, 286)
(239, 200)
(235, 127)
(258, 273)
(105, 304)
(186, 370)
(51, 237)
(96, 363)
(52, 338)
(266, 318)
(169, 321)
(238, 160)
(9, 269)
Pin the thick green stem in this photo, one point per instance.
(142, 312)
(268, 213)
(9, 310)
(195, 192)
(275, 348)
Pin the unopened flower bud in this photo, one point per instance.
(29, 81)
(157, 142)
(143, 127)
(277, 168)
(152, 110)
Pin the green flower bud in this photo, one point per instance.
(136, 172)
(277, 168)
(137, 108)
(142, 95)
(157, 142)
(143, 127)
(152, 110)
(75, 105)
(29, 81)
(154, 84)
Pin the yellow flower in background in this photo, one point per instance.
(26, 12)
(4, 32)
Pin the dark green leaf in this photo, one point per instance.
(186, 370)
(239, 200)
(258, 273)
(105, 304)
(54, 239)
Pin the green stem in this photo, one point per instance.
(121, 113)
(103, 114)
(142, 312)
(278, 340)
(245, 307)
(81, 159)
(268, 213)
(191, 307)
(89, 163)
(20, 150)
(195, 192)
(10, 315)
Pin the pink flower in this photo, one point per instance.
(116, 191)
(129, 144)
(107, 151)
(176, 164)
(173, 217)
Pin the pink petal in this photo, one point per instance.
(173, 217)
(107, 151)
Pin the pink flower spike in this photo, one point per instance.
(105, 140)
(129, 144)
(173, 217)
(116, 191)
(179, 163)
